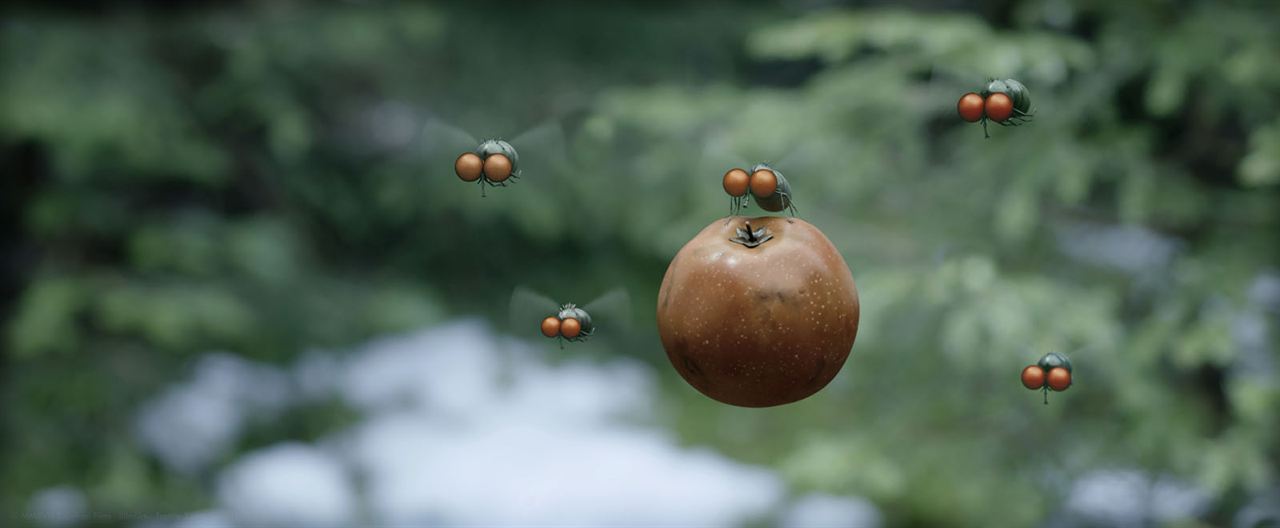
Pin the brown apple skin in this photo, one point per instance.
(762, 326)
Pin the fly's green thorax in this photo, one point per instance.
(1015, 90)
(498, 146)
(571, 311)
(780, 200)
(1052, 360)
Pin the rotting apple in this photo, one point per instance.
(758, 312)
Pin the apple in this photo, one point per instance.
(758, 312)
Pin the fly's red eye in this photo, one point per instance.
(764, 183)
(1059, 379)
(551, 326)
(468, 166)
(735, 182)
(970, 107)
(999, 107)
(570, 328)
(497, 167)
(1033, 377)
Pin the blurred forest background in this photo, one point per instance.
(204, 204)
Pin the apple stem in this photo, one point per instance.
(751, 237)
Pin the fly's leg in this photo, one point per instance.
(984, 129)
(735, 206)
(1020, 117)
(1013, 121)
(491, 183)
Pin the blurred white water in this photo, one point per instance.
(58, 507)
(192, 424)
(828, 511)
(1128, 497)
(1130, 248)
(288, 485)
(459, 427)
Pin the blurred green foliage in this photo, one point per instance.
(186, 180)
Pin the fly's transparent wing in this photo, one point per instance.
(443, 141)
(441, 144)
(943, 86)
(801, 155)
(791, 155)
(526, 311)
(542, 152)
(611, 312)
(719, 155)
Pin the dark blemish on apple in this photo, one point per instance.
(763, 296)
(817, 373)
(691, 366)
